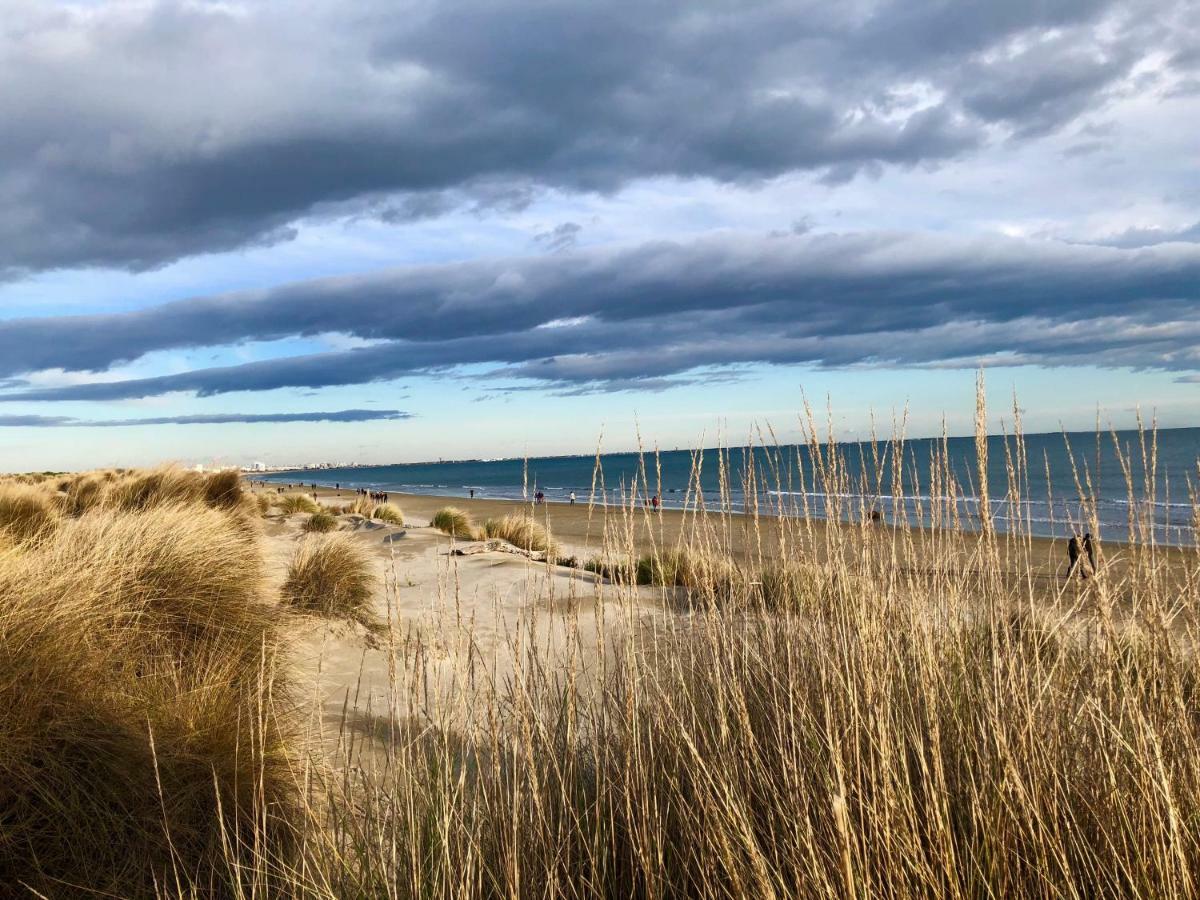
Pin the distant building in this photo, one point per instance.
(258, 467)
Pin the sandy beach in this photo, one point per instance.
(586, 532)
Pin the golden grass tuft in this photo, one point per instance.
(84, 493)
(454, 522)
(26, 512)
(224, 490)
(330, 576)
(298, 503)
(320, 522)
(521, 531)
(137, 729)
(388, 512)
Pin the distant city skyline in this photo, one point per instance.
(248, 231)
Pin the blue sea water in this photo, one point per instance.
(1050, 503)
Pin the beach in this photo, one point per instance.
(587, 531)
(483, 698)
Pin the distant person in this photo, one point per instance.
(539, 498)
(1090, 549)
(572, 498)
(1073, 548)
(876, 517)
(654, 501)
(472, 493)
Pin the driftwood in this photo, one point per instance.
(494, 545)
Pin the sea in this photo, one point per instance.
(1066, 475)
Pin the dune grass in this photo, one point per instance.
(319, 523)
(83, 493)
(521, 531)
(135, 656)
(848, 711)
(455, 522)
(330, 576)
(298, 503)
(26, 512)
(388, 512)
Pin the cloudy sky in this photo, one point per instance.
(389, 231)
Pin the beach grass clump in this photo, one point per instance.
(265, 503)
(359, 506)
(454, 522)
(26, 512)
(224, 489)
(388, 512)
(789, 586)
(320, 522)
(298, 503)
(140, 741)
(520, 531)
(83, 493)
(330, 576)
(163, 486)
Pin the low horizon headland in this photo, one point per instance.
(216, 685)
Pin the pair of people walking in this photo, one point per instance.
(1077, 550)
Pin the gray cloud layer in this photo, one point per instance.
(140, 133)
(344, 415)
(639, 316)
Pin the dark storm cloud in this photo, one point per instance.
(139, 133)
(501, 310)
(1148, 237)
(343, 415)
(608, 319)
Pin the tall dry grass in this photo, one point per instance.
(820, 711)
(866, 710)
(144, 728)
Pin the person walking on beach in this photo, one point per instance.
(1073, 550)
(1090, 549)
(572, 498)
(472, 493)
(654, 502)
(539, 498)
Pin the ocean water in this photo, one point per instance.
(1050, 503)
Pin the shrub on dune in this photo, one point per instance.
(388, 512)
(454, 522)
(264, 503)
(26, 512)
(320, 522)
(298, 503)
(520, 531)
(330, 576)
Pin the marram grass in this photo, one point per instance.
(855, 711)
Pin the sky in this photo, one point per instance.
(312, 231)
